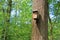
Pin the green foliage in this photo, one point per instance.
(55, 19)
(20, 20)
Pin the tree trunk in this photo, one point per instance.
(40, 29)
(6, 20)
(51, 29)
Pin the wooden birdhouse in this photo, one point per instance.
(35, 15)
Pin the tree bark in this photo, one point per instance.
(40, 29)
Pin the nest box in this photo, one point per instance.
(35, 15)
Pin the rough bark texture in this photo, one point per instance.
(40, 29)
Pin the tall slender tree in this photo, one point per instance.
(40, 26)
(7, 20)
